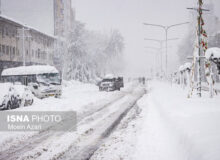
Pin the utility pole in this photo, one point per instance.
(199, 56)
(23, 48)
(0, 7)
(23, 43)
(166, 29)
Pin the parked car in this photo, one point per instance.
(14, 96)
(111, 84)
(25, 94)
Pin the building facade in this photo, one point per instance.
(37, 46)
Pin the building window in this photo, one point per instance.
(10, 50)
(17, 52)
(3, 35)
(7, 49)
(14, 32)
(6, 31)
(13, 50)
(3, 49)
(32, 53)
(38, 53)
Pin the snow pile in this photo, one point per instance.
(177, 128)
(187, 65)
(30, 70)
(181, 68)
(212, 53)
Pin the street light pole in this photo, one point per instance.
(161, 43)
(166, 29)
(23, 43)
(199, 56)
(0, 7)
(23, 50)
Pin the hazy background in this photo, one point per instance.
(125, 15)
(129, 15)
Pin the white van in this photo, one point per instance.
(42, 80)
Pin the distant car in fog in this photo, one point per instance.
(111, 83)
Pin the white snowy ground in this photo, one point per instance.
(165, 125)
(76, 96)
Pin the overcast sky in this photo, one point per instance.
(128, 16)
(35, 13)
(125, 15)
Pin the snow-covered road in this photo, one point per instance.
(97, 114)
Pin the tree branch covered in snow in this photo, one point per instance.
(90, 54)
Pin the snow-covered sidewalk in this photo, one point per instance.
(177, 128)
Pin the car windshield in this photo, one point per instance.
(107, 80)
(49, 78)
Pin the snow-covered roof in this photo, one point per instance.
(29, 70)
(212, 52)
(24, 25)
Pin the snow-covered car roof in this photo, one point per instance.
(29, 70)
(109, 76)
(212, 52)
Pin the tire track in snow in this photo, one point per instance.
(85, 149)
(32, 142)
